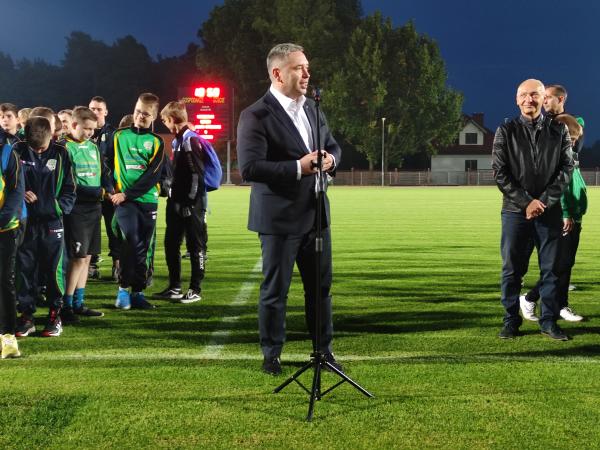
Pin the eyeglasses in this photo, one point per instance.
(144, 114)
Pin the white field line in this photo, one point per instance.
(400, 357)
(214, 349)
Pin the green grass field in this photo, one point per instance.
(416, 314)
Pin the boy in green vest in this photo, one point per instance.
(82, 225)
(137, 157)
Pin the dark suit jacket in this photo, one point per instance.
(268, 146)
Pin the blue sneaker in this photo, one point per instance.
(138, 301)
(123, 299)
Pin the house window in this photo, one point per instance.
(470, 164)
(471, 138)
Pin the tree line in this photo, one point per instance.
(366, 67)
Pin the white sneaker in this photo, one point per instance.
(569, 315)
(190, 297)
(572, 287)
(528, 309)
(10, 347)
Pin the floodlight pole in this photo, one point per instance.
(382, 150)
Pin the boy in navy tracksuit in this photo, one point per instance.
(12, 191)
(49, 194)
(186, 206)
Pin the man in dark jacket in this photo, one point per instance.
(532, 162)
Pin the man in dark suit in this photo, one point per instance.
(276, 136)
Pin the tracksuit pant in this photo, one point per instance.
(137, 222)
(567, 250)
(43, 249)
(196, 237)
(8, 294)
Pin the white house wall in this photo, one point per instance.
(470, 128)
(456, 163)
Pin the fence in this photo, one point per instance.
(423, 178)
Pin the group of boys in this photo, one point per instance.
(59, 175)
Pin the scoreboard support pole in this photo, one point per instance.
(228, 180)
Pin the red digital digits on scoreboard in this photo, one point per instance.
(208, 108)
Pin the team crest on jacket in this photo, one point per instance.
(148, 145)
(51, 164)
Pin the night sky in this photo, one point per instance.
(489, 47)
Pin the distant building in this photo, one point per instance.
(462, 162)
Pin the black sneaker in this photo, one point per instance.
(54, 326)
(87, 312)
(93, 273)
(170, 293)
(138, 301)
(272, 366)
(331, 360)
(191, 296)
(508, 332)
(67, 316)
(555, 332)
(25, 326)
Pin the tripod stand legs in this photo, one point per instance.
(319, 363)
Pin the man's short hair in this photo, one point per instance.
(24, 114)
(37, 131)
(97, 98)
(559, 90)
(575, 129)
(57, 123)
(9, 107)
(126, 121)
(82, 113)
(66, 111)
(148, 98)
(176, 111)
(280, 52)
(42, 111)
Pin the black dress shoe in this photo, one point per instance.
(272, 366)
(331, 360)
(508, 332)
(555, 332)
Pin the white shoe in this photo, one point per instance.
(190, 297)
(572, 287)
(10, 347)
(528, 309)
(569, 315)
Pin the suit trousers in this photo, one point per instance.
(517, 234)
(279, 253)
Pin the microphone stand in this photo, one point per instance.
(317, 357)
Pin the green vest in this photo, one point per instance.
(133, 154)
(14, 222)
(85, 159)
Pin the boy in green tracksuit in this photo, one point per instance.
(137, 157)
(82, 225)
